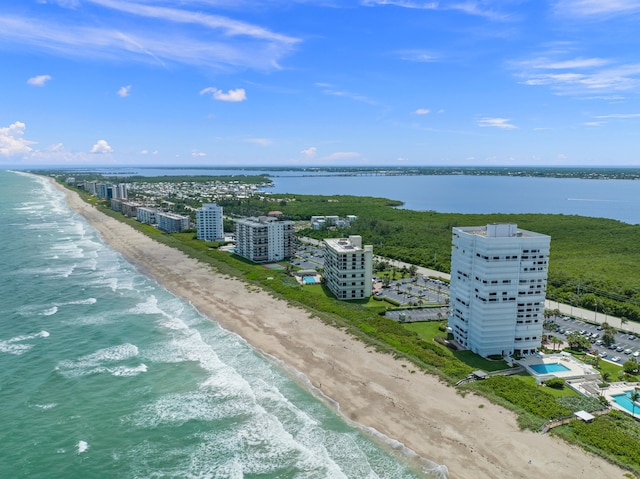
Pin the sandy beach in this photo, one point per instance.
(473, 438)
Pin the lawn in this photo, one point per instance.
(427, 330)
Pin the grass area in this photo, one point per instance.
(427, 330)
(414, 341)
(478, 362)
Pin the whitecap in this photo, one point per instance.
(15, 349)
(50, 312)
(127, 371)
(98, 362)
(84, 301)
(16, 346)
(82, 446)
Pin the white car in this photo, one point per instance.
(636, 354)
(615, 359)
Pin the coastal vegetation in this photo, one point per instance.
(401, 234)
(591, 263)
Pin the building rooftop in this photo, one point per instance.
(346, 245)
(499, 230)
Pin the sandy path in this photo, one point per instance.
(472, 437)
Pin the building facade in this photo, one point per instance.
(171, 222)
(498, 288)
(348, 267)
(209, 222)
(264, 239)
(147, 215)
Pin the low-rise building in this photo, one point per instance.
(172, 222)
(146, 215)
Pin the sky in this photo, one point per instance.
(319, 83)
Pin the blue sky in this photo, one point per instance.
(319, 82)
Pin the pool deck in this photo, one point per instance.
(576, 369)
(620, 388)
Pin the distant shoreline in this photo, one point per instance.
(576, 172)
(474, 438)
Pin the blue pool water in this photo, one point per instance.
(549, 368)
(624, 400)
(309, 280)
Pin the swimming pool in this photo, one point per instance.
(549, 368)
(624, 400)
(309, 280)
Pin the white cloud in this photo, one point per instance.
(346, 94)
(12, 142)
(147, 152)
(260, 141)
(343, 155)
(211, 41)
(39, 80)
(620, 115)
(419, 56)
(474, 8)
(422, 111)
(232, 95)
(198, 154)
(124, 91)
(597, 8)
(502, 123)
(594, 123)
(310, 152)
(101, 147)
(579, 76)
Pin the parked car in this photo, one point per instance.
(627, 351)
(615, 359)
(603, 354)
(631, 337)
(636, 354)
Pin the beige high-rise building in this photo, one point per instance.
(348, 267)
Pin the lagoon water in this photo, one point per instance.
(104, 374)
(614, 199)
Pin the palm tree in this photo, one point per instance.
(555, 341)
(623, 320)
(606, 376)
(635, 397)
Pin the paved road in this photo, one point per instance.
(566, 309)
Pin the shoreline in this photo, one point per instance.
(472, 437)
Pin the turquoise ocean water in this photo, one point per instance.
(104, 374)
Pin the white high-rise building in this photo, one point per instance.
(348, 267)
(498, 288)
(264, 239)
(209, 222)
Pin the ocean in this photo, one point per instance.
(105, 374)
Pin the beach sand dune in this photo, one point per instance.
(472, 437)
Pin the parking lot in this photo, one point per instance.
(625, 345)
